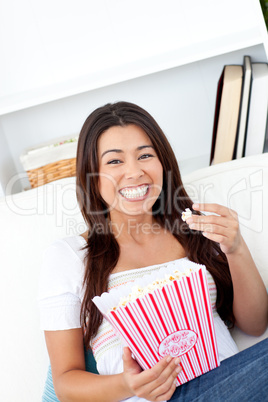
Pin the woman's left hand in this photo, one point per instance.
(222, 228)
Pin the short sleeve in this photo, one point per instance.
(60, 287)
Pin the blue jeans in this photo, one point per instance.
(242, 377)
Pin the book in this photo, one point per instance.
(226, 114)
(244, 107)
(258, 110)
(265, 149)
(216, 116)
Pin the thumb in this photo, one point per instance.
(130, 365)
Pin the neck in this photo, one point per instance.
(139, 228)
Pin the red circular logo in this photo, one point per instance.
(178, 343)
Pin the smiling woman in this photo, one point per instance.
(130, 178)
(130, 193)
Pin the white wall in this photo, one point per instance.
(7, 166)
(56, 48)
(2, 193)
(60, 60)
(181, 99)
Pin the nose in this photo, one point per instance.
(133, 170)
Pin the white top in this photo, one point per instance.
(61, 294)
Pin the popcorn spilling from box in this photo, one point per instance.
(166, 313)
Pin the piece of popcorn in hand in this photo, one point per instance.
(186, 214)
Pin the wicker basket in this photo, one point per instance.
(52, 171)
(61, 155)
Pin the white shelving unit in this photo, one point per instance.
(62, 61)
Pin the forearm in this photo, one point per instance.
(82, 386)
(250, 305)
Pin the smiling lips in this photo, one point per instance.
(135, 193)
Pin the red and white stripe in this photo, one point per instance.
(182, 305)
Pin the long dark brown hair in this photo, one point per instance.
(102, 250)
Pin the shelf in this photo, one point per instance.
(60, 66)
(139, 68)
(165, 56)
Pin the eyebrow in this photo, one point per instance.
(120, 150)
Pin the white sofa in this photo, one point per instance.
(31, 220)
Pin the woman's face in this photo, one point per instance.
(130, 173)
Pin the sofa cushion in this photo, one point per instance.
(30, 221)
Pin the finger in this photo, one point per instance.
(214, 237)
(216, 208)
(162, 384)
(210, 228)
(170, 372)
(209, 219)
(164, 389)
(167, 395)
(129, 364)
(146, 377)
(165, 365)
(126, 357)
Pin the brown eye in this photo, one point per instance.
(114, 162)
(146, 156)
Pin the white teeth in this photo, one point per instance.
(134, 192)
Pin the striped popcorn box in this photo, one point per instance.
(170, 317)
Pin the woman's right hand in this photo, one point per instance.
(156, 384)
